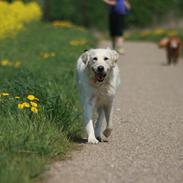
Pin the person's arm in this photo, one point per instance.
(127, 5)
(110, 2)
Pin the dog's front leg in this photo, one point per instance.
(98, 125)
(88, 109)
(175, 60)
(108, 116)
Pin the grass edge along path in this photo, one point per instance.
(153, 35)
(37, 69)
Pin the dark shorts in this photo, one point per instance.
(116, 24)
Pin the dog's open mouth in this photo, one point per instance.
(100, 77)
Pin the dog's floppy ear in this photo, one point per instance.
(85, 50)
(115, 56)
(180, 42)
(85, 57)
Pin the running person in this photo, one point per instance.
(118, 10)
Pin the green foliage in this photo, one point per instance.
(94, 13)
(81, 12)
(147, 12)
(30, 140)
(64, 9)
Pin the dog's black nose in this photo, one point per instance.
(100, 68)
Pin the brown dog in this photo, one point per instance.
(173, 47)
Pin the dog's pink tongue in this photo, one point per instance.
(100, 78)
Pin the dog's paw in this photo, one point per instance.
(92, 140)
(107, 132)
(99, 139)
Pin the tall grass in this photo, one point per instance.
(30, 140)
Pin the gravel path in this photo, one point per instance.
(147, 141)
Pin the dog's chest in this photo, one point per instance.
(103, 94)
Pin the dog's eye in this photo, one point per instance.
(106, 58)
(95, 58)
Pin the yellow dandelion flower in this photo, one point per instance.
(26, 104)
(4, 94)
(57, 23)
(31, 97)
(34, 104)
(34, 109)
(5, 63)
(63, 24)
(20, 106)
(23, 105)
(17, 97)
(45, 55)
(78, 42)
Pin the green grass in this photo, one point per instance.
(29, 141)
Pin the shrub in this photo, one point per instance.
(14, 16)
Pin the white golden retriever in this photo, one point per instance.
(97, 79)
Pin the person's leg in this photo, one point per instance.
(113, 39)
(116, 27)
(112, 25)
(119, 40)
(168, 56)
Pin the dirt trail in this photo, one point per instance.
(147, 141)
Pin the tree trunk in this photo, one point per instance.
(46, 10)
(85, 13)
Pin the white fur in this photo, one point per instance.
(94, 94)
(173, 44)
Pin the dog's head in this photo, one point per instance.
(174, 42)
(99, 63)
